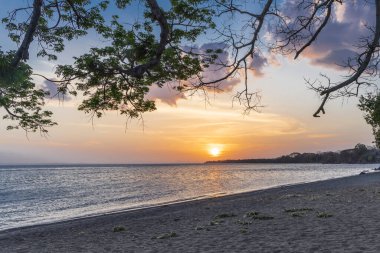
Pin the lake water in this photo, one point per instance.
(32, 195)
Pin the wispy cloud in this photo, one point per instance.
(258, 63)
(166, 94)
(54, 93)
(321, 136)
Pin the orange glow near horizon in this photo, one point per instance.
(186, 133)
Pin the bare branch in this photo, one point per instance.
(362, 64)
(320, 28)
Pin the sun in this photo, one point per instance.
(215, 151)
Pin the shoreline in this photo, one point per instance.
(353, 203)
(170, 203)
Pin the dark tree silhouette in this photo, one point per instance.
(359, 154)
(370, 105)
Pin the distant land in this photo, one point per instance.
(359, 154)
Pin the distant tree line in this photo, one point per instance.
(359, 154)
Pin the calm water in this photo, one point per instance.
(41, 194)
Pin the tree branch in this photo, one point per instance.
(158, 15)
(320, 28)
(362, 64)
(22, 52)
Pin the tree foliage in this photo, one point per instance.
(370, 105)
(19, 97)
(158, 48)
(118, 76)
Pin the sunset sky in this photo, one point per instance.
(185, 129)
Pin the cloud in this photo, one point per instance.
(321, 136)
(336, 43)
(340, 11)
(166, 94)
(257, 64)
(336, 59)
(52, 88)
(218, 70)
(214, 72)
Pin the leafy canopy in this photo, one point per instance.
(114, 77)
(370, 105)
(152, 51)
(21, 100)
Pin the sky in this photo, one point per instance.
(186, 128)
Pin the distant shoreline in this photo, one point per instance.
(273, 161)
(360, 154)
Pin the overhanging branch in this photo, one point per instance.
(363, 64)
(23, 51)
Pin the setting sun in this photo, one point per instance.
(215, 151)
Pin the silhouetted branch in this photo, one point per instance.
(23, 51)
(159, 16)
(362, 64)
(318, 31)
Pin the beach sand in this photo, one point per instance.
(338, 215)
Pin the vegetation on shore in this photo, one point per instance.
(359, 154)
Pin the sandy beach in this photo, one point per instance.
(338, 215)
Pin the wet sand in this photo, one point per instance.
(338, 215)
